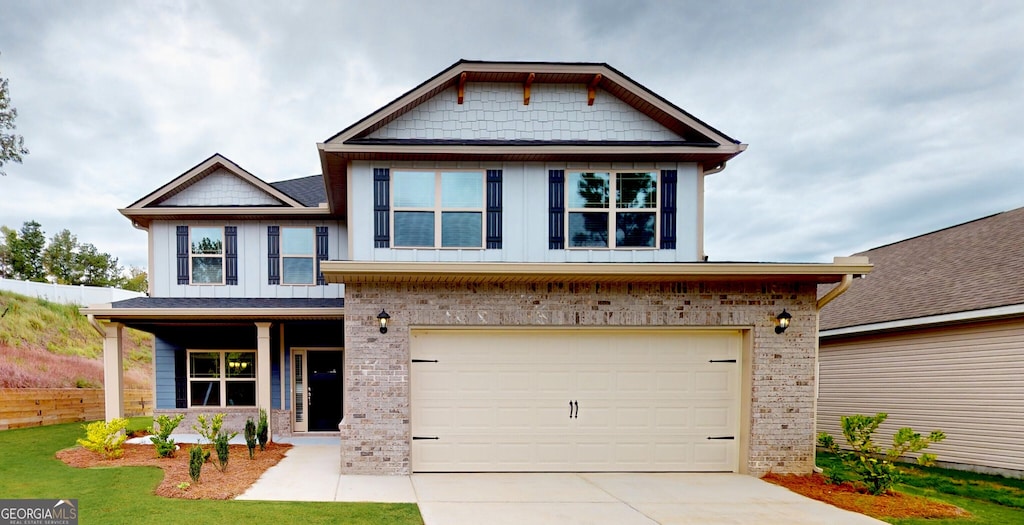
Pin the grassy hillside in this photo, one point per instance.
(50, 345)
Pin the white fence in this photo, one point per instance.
(62, 293)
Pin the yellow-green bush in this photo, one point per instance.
(105, 438)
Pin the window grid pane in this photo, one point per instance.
(297, 241)
(207, 241)
(222, 378)
(207, 270)
(634, 230)
(588, 190)
(461, 229)
(413, 189)
(462, 190)
(588, 230)
(296, 270)
(636, 190)
(414, 228)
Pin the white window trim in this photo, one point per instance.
(437, 209)
(612, 209)
(221, 256)
(311, 256)
(222, 380)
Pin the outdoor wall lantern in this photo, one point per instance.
(382, 318)
(783, 321)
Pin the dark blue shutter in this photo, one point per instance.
(556, 209)
(231, 255)
(273, 255)
(180, 379)
(321, 252)
(183, 255)
(493, 209)
(668, 209)
(381, 207)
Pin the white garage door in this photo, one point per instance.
(574, 400)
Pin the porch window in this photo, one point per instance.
(206, 254)
(297, 255)
(612, 209)
(438, 209)
(221, 378)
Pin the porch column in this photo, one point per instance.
(113, 371)
(263, 370)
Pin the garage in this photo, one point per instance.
(575, 400)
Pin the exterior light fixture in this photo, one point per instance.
(382, 318)
(783, 321)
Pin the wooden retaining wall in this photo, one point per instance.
(33, 407)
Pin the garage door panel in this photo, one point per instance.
(647, 400)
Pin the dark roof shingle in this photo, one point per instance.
(971, 266)
(309, 190)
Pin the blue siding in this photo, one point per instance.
(275, 380)
(163, 362)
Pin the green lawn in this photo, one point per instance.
(28, 469)
(991, 500)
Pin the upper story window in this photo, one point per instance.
(297, 255)
(612, 209)
(206, 255)
(438, 209)
(221, 378)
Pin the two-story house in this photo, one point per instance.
(520, 251)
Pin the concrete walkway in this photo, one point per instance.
(312, 473)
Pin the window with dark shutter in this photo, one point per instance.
(381, 208)
(556, 209)
(668, 209)
(231, 255)
(273, 255)
(493, 209)
(182, 254)
(321, 252)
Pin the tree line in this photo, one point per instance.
(25, 255)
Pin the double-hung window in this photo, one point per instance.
(438, 209)
(612, 209)
(298, 253)
(206, 255)
(221, 378)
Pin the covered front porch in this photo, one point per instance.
(235, 357)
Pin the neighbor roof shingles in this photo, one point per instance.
(972, 266)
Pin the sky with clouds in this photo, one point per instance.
(867, 121)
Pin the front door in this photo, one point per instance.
(317, 389)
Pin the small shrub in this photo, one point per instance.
(196, 458)
(209, 427)
(867, 461)
(105, 438)
(250, 437)
(162, 441)
(220, 444)
(262, 430)
(184, 485)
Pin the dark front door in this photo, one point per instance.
(324, 388)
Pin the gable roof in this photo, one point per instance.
(943, 275)
(154, 205)
(700, 142)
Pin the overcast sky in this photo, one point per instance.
(867, 122)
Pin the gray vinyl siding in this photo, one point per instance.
(525, 216)
(967, 381)
(163, 363)
(252, 262)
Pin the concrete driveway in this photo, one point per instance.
(312, 473)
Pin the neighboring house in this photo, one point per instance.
(533, 235)
(935, 338)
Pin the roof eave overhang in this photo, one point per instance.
(360, 272)
(142, 217)
(532, 152)
(931, 321)
(108, 313)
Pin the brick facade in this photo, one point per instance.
(779, 429)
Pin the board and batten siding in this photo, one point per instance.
(524, 190)
(967, 381)
(252, 262)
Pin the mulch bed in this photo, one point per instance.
(213, 484)
(849, 497)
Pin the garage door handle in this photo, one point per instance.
(721, 437)
(574, 405)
